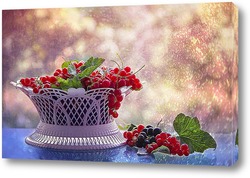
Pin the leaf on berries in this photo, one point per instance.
(63, 84)
(87, 72)
(94, 62)
(75, 82)
(161, 149)
(72, 69)
(66, 64)
(236, 139)
(131, 127)
(89, 66)
(190, 132)
(68, 83)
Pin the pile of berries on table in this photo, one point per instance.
(151, 138)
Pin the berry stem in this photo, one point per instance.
(116, 64)
(120, 59)
(139, 69)
(159, 123)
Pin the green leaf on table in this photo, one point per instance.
(89, 66)
(190, 132)
(162, 149)
(237, 137)
(131, 127)
(123, 127)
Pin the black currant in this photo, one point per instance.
(157, 131)
(145, 143)
(144, 134)
(139, 144)
(141, 138)
(150, 131)
(145, 130)
(152, 139)
(149, 126)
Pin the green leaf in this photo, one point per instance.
(71, 69)
(131, 127)
(94, 62)
(66, 64)
(190, 132)
(69, 83)
(123, 127)
(86, 72)
(237, 137)
(89, 66)
(63, 84)
(162, 149)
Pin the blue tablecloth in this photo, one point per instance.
(14, 147)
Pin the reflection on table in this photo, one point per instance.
(14, 147)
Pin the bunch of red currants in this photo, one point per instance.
(104, 77)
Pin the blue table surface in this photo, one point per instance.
(14, 147)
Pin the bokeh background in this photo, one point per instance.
(190, 52)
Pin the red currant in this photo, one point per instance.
(129, 135)
(46, 85)
(65, 71)
(117, 92)
(123, 73)
(52, 79)
(106, 83)
(163, 135)
(115, 114)
(117, 105)
(131, 143)
(140, 127)
(27, 82)
(149, 148)
(56, 73)
(125, 134)
(36, 90)
(121, 83)
(127, 69)
(116, 70)
(119, 98)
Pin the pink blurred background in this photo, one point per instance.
(190, 53)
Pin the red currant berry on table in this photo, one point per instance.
(131, 143)
(140, 127)
(149, 148)
(129, 135)
(125, 134)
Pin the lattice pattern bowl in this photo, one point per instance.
(74, 119)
